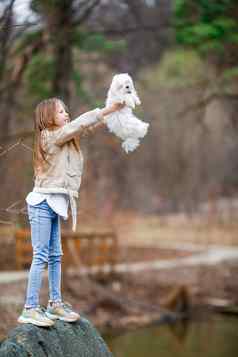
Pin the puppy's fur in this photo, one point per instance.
(124, 123)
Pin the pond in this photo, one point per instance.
(216, 337)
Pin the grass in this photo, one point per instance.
(179, 228)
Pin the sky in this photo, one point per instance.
(22, 10)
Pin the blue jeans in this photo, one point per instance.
(47, 249)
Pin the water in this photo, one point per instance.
(217, 337)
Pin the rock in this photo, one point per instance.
(64, 339)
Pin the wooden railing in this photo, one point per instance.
(81, 249)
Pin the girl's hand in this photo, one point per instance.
(113, 108)
(117, 106)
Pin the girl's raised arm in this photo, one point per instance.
(101, 122)
(84, 121)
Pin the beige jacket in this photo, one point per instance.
(62, 171)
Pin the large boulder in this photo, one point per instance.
(64, 339)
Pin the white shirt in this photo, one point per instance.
(59, 202)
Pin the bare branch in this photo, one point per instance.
(7, 11)
(201, 104)
(7, 20)
(17, 136)
(23, 28)
(87, 12)
(28, 24)
(21, 64)
(135, 11)
(129, 30)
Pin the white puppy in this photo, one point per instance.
(124, 123)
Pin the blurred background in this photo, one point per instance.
(183, 58)
(179, 189)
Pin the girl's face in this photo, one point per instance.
(61, 115)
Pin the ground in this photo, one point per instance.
(144, 239)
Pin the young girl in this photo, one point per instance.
(58, 167)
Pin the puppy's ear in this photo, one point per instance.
(129, 77)
(115, 82)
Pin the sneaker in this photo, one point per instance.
(35, 316)
(62, 311)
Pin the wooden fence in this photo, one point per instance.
(80, 249)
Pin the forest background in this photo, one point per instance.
(183, 57)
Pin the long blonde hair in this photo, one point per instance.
(45, 119)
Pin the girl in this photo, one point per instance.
(58, 167)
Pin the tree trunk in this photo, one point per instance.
(60, 27)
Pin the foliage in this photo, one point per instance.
(177, 68)
(40, 71)
(39, 74)
(230, 73)
(78, 37)
(27, 39)
(91, 42)
(210, 26)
